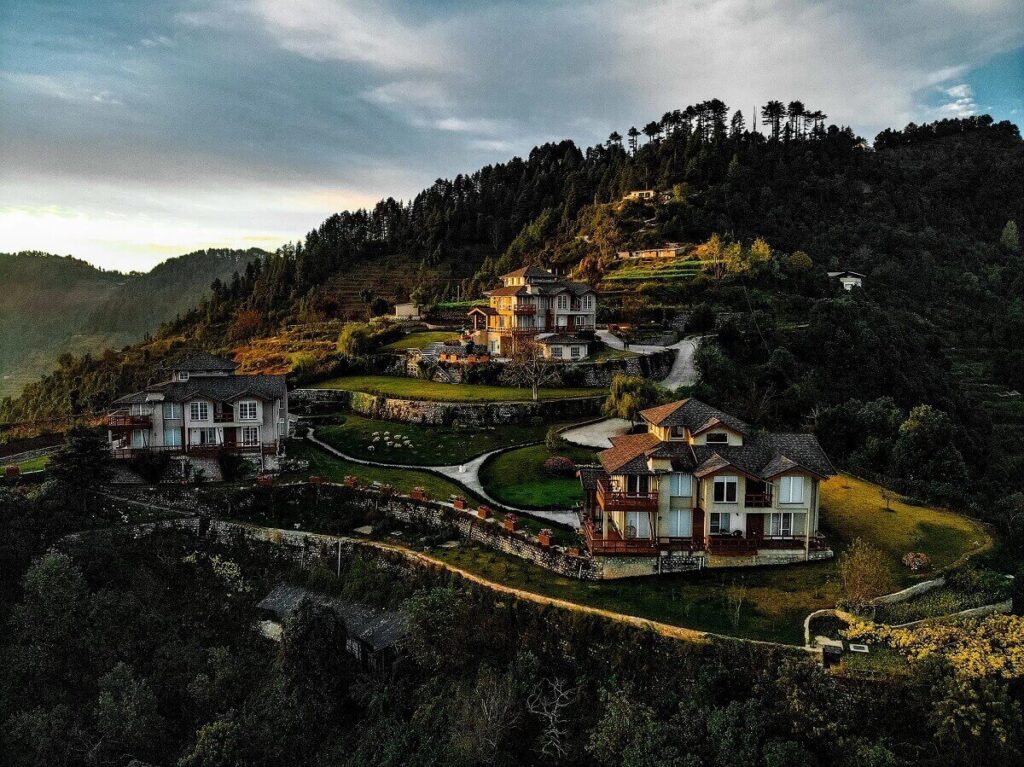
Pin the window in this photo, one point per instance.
(199, 411)
(575, 351)
(247, 410)
(136, 410)
(172, 437)
(638, 524)
(250, 436)
(588, 303)
(563, 302)
(719, 522)
(205, 436)
(717, 438)
(561, 321)
(682, 485)
(579, 320)
(140, 438)
(678, 432)
(781, 524)
(637, 484)
(556, 351)
(725, 489)
(182, 375)
(680, 523)
(791, 490)
(172, 410)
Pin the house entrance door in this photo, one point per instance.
(755, 526)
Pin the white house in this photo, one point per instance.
(849, 280)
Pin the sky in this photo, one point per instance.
(132, 131)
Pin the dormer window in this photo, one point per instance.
(717, 438)
(678, 432)
(182, 375)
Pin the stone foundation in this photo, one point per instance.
(469, 414)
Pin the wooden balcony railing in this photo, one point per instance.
(614, 500)
(123, 419)
(525, 310)
(758, 500)
(226, 416)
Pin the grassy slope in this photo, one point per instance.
(420, 339)
(414, 388)
(516, 478)
(431, 445)
(854, 509)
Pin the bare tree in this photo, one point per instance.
(527, 367)
(548, 702)
(888, 496)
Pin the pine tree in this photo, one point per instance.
(1010, 237)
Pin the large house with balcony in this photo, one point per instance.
(203, 408)
(701, 488)
(534, 305)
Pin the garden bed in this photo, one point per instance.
(517, 478)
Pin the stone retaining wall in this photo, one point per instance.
(654, 366)
(472, 414)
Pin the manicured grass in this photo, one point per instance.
(420, 338)
(608, 353)
(33, 464)
(853, 508)
(773, 607)
(414, 388)
(334, 469)
(431, 445)
(517, 478)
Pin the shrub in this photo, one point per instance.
(233, 466)
(554, 440)
(917, 561)
(559, 466)
(150, 466)
(354, 339)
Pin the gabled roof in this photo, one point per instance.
(846, 274)
(376, 626)
(510, 290)
(216, 388)
(627, 455)
(693, 414)
(200, 361)
(529, 271)
(590, 476)
(485, 310)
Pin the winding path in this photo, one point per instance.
(465, 475)
(683, 372)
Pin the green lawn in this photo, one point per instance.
(334, 469)
(517, 478)
(430, 445)
(414, 388)
(853, 508)
(608, 353)
(420, 338)
(33, 464)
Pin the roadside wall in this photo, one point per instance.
(474, 414)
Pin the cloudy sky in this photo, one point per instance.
(131, 131)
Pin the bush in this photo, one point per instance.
(150, 466)
(233, 466)
(559, 466)
(701, 319)
(355, 339)
(917, 561)
(554, 440)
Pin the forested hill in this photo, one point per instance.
(53, 305)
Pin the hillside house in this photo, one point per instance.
(407, 311)
(374, 633)
(849, 280)
(703, 484)
(640, 194)
(532, 304)
(202, 409)
(668, 250)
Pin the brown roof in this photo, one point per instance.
(510, 290)
(529, 271)
(625, 451)
(694, 415)
(488, 310)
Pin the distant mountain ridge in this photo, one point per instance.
(53, 305)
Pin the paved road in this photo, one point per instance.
(683, 372)
(467, 475)
(597, 434)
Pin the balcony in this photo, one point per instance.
(524, 310)
(227, 416)
(758, 500)
(123, 419)
(615, 500)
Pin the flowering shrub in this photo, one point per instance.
(917, 560)
(991, 646)
(559, 466)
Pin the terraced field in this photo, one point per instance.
(674, 270)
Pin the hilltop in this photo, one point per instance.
(55, 305)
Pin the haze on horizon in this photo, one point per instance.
(134, 132)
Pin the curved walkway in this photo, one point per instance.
(683, 372)
(597, 434)
(466, 475)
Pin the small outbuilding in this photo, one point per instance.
(373, 632)
(849, 280)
